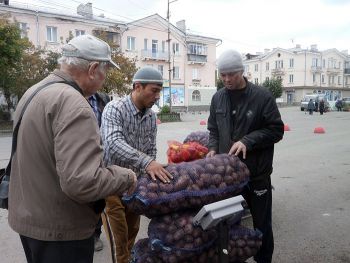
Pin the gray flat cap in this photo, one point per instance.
(90, 48)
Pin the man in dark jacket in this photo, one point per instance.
(98, 101)
(245, 121)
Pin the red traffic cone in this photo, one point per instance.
(203, 122)
(286, 127)
(319, 130)
(158, 121)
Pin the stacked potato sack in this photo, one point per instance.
(173, 238)
(201, 137)
(194, 184)
(185, 152)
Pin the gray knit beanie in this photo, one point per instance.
(230, 61)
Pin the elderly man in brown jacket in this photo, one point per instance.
(57, 170)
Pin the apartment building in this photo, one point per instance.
(192, 57)
(303, 71)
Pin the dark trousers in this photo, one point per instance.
(77, 251)
(258, 195)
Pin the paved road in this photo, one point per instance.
(311, 201)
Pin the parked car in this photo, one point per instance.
(315, 98)
(346, 100)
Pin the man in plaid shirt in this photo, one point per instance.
(129, 132)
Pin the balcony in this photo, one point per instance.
(316, 69)
(278, 71)
(347, 71)
(149, 54)
(333, 71)
(196, 59)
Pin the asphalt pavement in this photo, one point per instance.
(311, 201)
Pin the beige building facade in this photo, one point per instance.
(303, 71)
(192, 57)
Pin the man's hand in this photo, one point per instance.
(132, 187)
(237, 148)
(211, 153)
(156, 170)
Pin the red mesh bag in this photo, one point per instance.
(185, 152)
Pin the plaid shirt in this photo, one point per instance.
(129, 138)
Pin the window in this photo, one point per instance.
(145, 44)
(163, 46)
(176, 48)
(23, 28)
(291, 63)
(322, 79)
(131, 43)
(256, 67)
(267, 66)
(323, 63)
(278, 64)
(339, 80)
(314, 78)
(79, 32)
(291, 78)
(154, 46)
(51, 34)
(176, 73)
(160, 69)
(197, 49)
(256, 81)
(339, 65)
(195, 73)
(196, 95)
(246, 69)
(314, 62)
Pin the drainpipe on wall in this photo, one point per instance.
(37, 29)
(305, 71)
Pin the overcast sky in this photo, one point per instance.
(244, 25)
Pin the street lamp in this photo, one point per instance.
(169, 57)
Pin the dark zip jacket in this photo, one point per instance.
(254, 119)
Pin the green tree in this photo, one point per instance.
(275, 86)
(34, 66)
(118, 81)
(12, 47)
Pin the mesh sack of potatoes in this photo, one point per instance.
(142, 253)
(201, 137)
(176, 239)
(243, 243)
(195, 184)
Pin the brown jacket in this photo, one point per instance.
(57, 169)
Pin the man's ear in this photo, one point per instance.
(92, 69)
(137, 86)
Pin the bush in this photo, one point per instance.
(4, 115)
(165, 109)
(346, 107)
